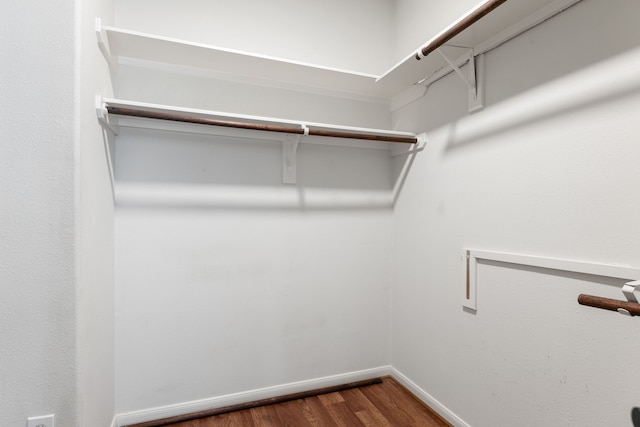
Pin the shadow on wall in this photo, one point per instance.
(553, 51)
(178, 170)
(109, 143)
(567, 43)
(599, 84)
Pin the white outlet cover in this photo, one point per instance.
(43, 421)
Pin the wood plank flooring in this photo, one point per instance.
(380, 405)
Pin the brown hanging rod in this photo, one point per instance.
(632, 308)
(468, 21)
(133, 112)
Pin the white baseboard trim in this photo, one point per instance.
(114, 422)
(248, 396)
(445, 412)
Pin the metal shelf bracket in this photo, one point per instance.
(289, 159)
(472, 79)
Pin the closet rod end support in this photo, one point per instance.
(629, 289)
(103, 115)
(289, 156)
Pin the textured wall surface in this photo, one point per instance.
(229, 281)
(37, 167)
(94, 251)
(548, 169)
(252, 282)
(226, 281)
(417, 21)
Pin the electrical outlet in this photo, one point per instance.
(43, 421)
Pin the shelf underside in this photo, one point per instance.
(502, 24)
(505, 22)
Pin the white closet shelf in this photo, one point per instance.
(510, 19)
(117, 112)
(235, 63)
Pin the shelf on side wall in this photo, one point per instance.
(505, 22)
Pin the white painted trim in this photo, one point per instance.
(114, 422)
(470, 268)
(431, 401)
(593, 268)
(248, 396)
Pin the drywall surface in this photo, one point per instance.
(549, 169)
(418, 21)
(229, 281)
(94, 250)
(178, 87)
(226, 279)
(355, 35)
(37, 307)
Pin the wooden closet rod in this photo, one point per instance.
(460, 27)
(633, 308)
(133, 112)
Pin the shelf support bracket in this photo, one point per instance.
(420, 146)
(628, 290)
(103, 46)
(470, 270)
(103, 116)
(473, 79)
(289, 159)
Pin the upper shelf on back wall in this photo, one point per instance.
(505, 22)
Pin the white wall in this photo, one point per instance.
(228, 281)
(548, 168)
(56, 319)
(355, 35)
(37, 219)
(94, 232)
(417, 21)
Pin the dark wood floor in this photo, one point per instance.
(384, 404)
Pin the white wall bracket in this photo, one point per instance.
(103, 115)
(103, 45)
(419, 146)
(473, 79)
(470, 259)
(289, 158)
(628, 290)
(469, 80)
(470, 269)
